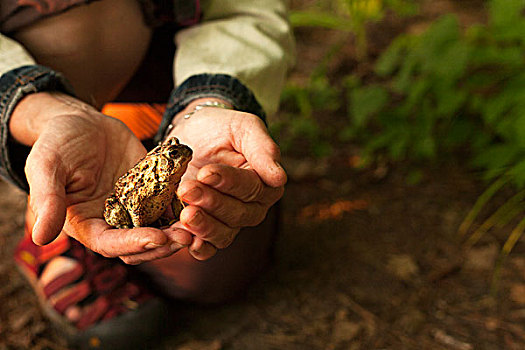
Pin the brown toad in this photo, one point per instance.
(143, 194)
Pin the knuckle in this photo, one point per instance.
(206, 233)
(103, 252)
(227, 239)
(220, 244)
(128, 260)
(92, 244)
(259, 217)
(255, 192)
(223, 243)
(242, 216)
(213, 203)
(275, 195)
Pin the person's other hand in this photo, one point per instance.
(234, 177)
(77, 155)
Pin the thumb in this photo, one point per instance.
(262, 153)
(46, 179)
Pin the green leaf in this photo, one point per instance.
(506, 12)
(366, 101)
(414, 177)
(425, 148)
(451, 64)
(438, 38)
(496, 157)
(347, 133)
(393, 56)
(322, 149)
(496, 57)
(305, 127)
(517, 173)
(319, 19)
(450, 101)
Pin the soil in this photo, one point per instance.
(365, 259)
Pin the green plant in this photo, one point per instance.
(443, 90)
(350, 16)
(447, 90)
(296, 124)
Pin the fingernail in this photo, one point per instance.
(176, 246)
(195, 252)
(213, 180)
(195, 219)
(152, 245)
(193, 194)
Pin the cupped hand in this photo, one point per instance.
(77, 155)
(234, 177)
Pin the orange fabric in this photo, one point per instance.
(143, 119)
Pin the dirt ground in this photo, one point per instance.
(364, 260)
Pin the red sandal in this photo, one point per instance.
(98, 303)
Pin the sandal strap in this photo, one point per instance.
(102, 288)
(94, 312)
(72, 295)
(63, 280)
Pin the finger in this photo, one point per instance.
(224, 208)
(154, 254)
(207, 228)
(178, 234)
(99, 237)
(243, 184)
(201, 250)
(47, 194)
(261, 152)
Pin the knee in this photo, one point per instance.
(97, 46)
(213, 288)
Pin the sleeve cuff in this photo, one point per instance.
(15, 85)
(221, 86)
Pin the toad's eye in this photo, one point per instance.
(173, 153)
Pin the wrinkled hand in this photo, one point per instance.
(234, 178)
(77, 155)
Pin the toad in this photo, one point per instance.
(143, 194)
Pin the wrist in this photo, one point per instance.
(35, 110)
(220, 86)
(193, 107)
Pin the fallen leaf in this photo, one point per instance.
(517, 293)
(403, 266)
(201, 345)
(343, 329)
(331, 211)
(20, 319)
(449, 341)
(481, 258)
